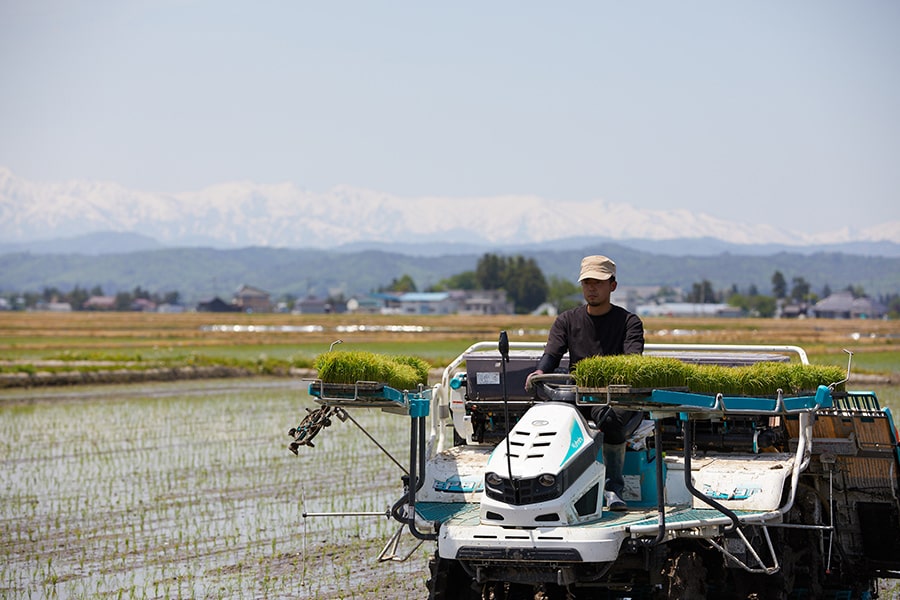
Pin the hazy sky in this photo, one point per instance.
(781, 112)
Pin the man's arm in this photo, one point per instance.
(634, 335)
(556, 347)
(553, 351)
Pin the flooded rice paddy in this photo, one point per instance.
(188, 490)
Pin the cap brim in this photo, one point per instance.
(595, 275)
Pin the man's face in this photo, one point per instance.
(596, 291)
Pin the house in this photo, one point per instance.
(842, 305)
(143, 305)
(427, 303)
(364, 304)
(170, 308)
(251, 299)
(311, 305)
(688, 309)
(100, 303)
(470, 302)
(216, 305)
(796, 310)
(483, 302)
(59, 307)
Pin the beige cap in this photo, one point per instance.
(597, 267)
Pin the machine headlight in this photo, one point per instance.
(547, 480)
(493, 479)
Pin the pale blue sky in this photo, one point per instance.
(781, 112)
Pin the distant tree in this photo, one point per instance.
(52, 294)
(402, 285)
(123, 301)
(521, 278)
(174, 297)
(668, 294)
(753, 290)
(856, 290)
(755, 305)
(779, 285)
(702, 293)
(461, 281)
(800, 289)
(77, 297)
(525, 284)
(31, 299)
(893, 305)
(96, 291)
(562, 293)
(490, 272)
(826, 291)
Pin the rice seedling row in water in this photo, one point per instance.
(194, 496)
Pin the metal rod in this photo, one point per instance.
(416, 430)
(660, 483)
(503, 347)
(688, 443)
(799, 526)
(374, 441)
(347, 514)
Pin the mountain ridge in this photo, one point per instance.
(111, 242)
(247, 214)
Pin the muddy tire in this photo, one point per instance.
(449, 581)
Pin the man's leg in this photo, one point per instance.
(614, 459)
(613, 423)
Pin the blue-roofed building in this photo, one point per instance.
(688, 309)
(481, 302)
(428, 303)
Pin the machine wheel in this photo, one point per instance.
(684, 576)
(449, 581)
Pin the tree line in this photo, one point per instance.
(520, 277)
(78, 297)
(522, 280)
(528, 289)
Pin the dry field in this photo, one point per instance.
(42, 338)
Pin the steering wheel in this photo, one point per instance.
(554, 387)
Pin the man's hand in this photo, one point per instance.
(528, 384)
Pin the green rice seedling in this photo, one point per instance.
(420, 365)
(711, 379)
(810, 377)
(350, 367)
(760, 379)
(635, 370)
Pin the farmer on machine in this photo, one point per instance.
(598, 328)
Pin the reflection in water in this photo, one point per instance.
(357, 328)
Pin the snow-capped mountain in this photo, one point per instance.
(284, 215)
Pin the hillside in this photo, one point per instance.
(199, 273)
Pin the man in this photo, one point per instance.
(598, 328)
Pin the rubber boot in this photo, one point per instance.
(614, 459)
